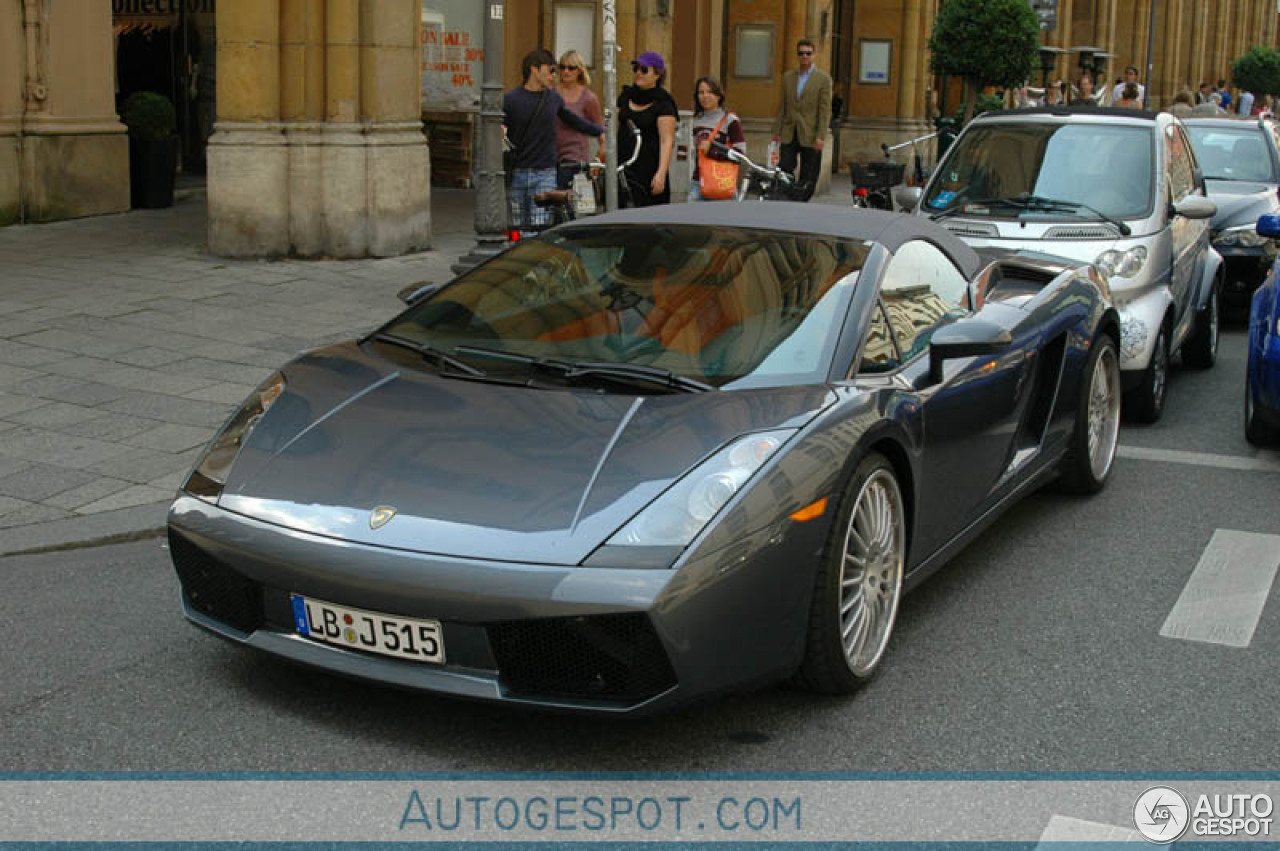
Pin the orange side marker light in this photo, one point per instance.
(811, 511)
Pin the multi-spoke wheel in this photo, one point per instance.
(1146, 401)
(1201, 349)
(859, 583)
(1092, 451)
(1257, 430)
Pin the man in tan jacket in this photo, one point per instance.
(801, 123)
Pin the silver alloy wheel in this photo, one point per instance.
(1159, 371)
(1213, 323)
(871, 572)
(1104, 412)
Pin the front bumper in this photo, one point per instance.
(1245, 267)
(1141, 315)
(620, 641)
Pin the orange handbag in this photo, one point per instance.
(717, 179)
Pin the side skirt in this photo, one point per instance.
(977, 527)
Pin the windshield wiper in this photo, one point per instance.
(441, 358)
(1039, 202)
(631, 373)
(515, 357)
(985, 202)
(623, 373)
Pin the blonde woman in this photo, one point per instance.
(573, 149)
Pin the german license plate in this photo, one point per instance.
(387, 635)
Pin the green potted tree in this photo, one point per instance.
(153, 149)
(1258, 71)
(987, 43)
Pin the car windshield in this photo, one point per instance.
(1231, 153)
(713, 304)
(1106, 167)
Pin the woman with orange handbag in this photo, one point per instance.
(714, 177)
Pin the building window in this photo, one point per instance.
(753, 51)
(576, 30)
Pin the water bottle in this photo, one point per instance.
(773, 152)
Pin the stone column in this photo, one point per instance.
(248, 161)
(12, 60)
(319, 147)
(399, 168)
(63, 151)
(302, 110)
(1200, 43)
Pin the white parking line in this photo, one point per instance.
(1201, 459)
(1067, 829)
(1223, 600)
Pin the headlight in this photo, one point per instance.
(210, 474)
(1122, 264)
(681, 512)
(1242, 236)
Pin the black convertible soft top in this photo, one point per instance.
(889, 229)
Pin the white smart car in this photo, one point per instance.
(1117, 188)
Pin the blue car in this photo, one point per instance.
(1262, 380)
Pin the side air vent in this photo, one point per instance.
(1046, 389)
(970, 229)
(1082, 232)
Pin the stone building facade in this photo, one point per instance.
(318, 147)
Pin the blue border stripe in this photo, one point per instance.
(706, 776)
(629, 846)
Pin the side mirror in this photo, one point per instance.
(1195, 207)
(1268, 225)
(907, 197)
(414, 293)
(965, 339)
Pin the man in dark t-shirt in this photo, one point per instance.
(530, 112)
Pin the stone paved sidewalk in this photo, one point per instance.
(124, 345)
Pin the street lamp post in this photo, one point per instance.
(1151, 40)
(1048, 59)
(610, 48)
(491, 190)
(1086, 54)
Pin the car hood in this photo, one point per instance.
(474, 469)
(1240, 202)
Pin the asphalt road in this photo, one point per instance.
(1037, 649)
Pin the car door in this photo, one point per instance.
(1189, 237)
(970, 418)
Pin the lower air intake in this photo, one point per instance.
(605, 657)
(213, 589)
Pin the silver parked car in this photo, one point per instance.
(1117, 188)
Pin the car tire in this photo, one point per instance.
(1256, 430)
(1092, 451)
(1146, 401)
(858, 585)
(1201, 349)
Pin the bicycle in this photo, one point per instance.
(561, 205)
(873, 183)
(766, 183)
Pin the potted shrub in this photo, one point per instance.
(153, 149)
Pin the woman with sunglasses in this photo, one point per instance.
(573, 149)
(653, 111)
